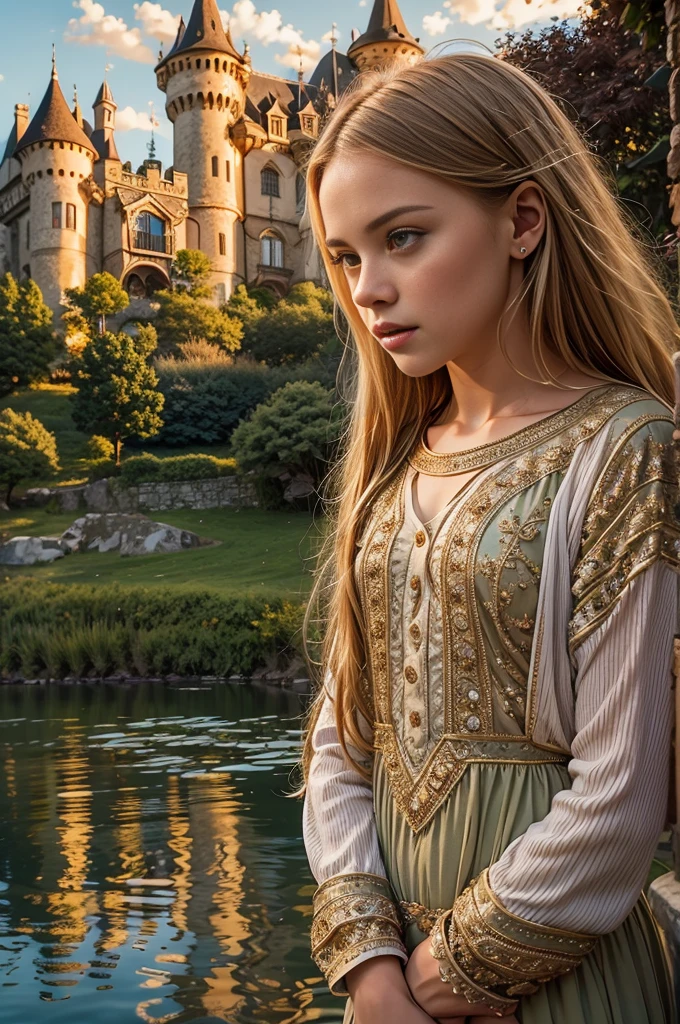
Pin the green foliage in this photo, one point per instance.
(205, 401)
(62, 630)
(147, 339)
(99, 447)
(148, 468)
(27, 343)
(291, 432)
(27, 449)
(264, 297)
(306, 293)
(289, 333)
(102, 296)
(194, 267)
(202, 352)
(117, 393)
(183, 318)
(246, 306)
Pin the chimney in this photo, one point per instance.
(21, 118)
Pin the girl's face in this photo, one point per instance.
(420, 254)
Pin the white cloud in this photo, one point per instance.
(436, 24)
(157, 22)
(267, 27)
(2, 78)
(128, 119)
(512, 14)
(97, 28)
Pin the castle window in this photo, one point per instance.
(269, 182)
(308, 123)
(149, 233)
(56, 215)
(215, 169)
(299, 194)
(276, 126)
(28, 234)
(228, 171)
(223, 244)
(71, 216)
(181, 65)
(271, 250)
(108, 115)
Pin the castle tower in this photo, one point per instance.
(56, 159)
(385, 39)
(104, 124)
(204, 79)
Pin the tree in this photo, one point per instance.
(102, 296)
(193, 267)
(306, 293)
(290, 432)
(27, 342)
(27, 449)
(598, 70)
(290, 333)
(117, 392)
(182, 318)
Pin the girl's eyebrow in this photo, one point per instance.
(379, 221)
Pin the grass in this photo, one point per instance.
(260, 552)
(50, 404)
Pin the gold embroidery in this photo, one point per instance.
(632, 519)
(500, 952)
(352, 913)
(419, 791)
(445, 463)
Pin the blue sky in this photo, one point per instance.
(126, 34)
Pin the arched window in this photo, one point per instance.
(271, 250)
(215, 168)
(149, 232)
(269, 182)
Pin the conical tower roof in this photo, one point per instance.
(386, 24)
(104, 95)
(53, 121)
(204, 31)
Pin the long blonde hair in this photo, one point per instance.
(593, 297)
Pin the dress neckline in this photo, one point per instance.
(433, 463)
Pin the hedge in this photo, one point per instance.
(61, 630)
(147, 468)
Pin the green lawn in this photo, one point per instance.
(50, 404)
(260, 551)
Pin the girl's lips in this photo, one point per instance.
(392, 341)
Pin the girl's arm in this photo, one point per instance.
(575, 875)
(355, 916)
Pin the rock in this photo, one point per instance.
(29, 550)
(36, 496)
(69, 498)
(301, 486)
(97, 496)
(128, 534)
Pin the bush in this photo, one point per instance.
(99, 447)
(76, 629)
(27, 450)
(102, 469)
(142, 469)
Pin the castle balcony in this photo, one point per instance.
(148, 241)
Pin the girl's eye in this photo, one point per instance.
(401, 233)
(340, 259)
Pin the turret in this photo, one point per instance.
(56, 159)
(204, 79)
(104, 124)
(385, 39)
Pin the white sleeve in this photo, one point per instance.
(582, 867)
(355, 915)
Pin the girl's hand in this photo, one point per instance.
(380, 994)
(436, 998)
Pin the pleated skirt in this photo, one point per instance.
(624, 980)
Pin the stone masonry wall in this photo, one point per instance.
(103, 496)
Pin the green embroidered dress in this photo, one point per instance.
(520, 649)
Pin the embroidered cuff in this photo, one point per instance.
(353, 913)
(493, 956)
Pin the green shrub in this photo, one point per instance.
(74, 629)
(99, 447)
(102, 469)
(147, 468)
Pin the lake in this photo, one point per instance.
(151, 867)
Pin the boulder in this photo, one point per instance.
(300, 486)
(29, 550)
(36, 496)
(127, 534)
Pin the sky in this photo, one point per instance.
(126, 36)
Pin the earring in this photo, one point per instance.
(522, 248)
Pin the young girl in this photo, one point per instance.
(487, 763)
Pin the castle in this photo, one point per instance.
(70, 208)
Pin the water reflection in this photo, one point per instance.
(150, 868)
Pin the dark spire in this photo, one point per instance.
(53, 121)
(204, 31)
(385, 24)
